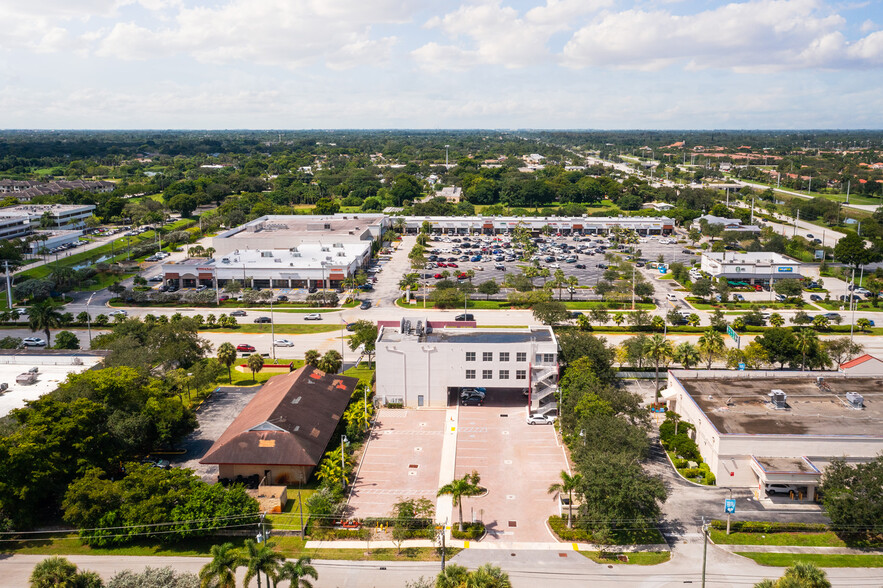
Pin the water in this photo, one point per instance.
(91, 262)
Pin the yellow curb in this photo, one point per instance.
(575, 546)
(466, 545)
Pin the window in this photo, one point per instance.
(504, 374)
(548, 358)
(470, 356)
(487, 356)
(520, 374)
(470, 374)
(487, 374)
(504, 356)
(521, 356)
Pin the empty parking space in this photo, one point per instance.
(517, 462)
(401, 460)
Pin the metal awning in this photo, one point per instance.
(668, 393)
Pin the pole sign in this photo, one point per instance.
(741, 366)
(730, 505)
(733, 334)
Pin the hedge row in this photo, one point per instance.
(471, 531)
(769, 527)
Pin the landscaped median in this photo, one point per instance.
(643, 547)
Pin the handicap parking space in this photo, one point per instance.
(517, 463)
(402, 460)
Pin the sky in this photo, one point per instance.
(430, 64)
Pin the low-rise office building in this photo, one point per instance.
(422, 363)
(584, 225)
(728, 224)
(22, 220)
(52, 239)
(759, 267)
(755, 428)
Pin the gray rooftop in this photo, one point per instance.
(470, 335)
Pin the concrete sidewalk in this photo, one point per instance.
(497, 545)
(799, 549)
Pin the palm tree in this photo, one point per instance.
(261, 558)
(806, 338)
(453, 576)
(686, 354)
(53, 571)
(297, 573)
(221, 571)
(567, 484)
(559, 281)
(658, 348)
(777, 320)
(618, 318)
(572, 283)
(805, 574)
(711, 346)
(227, 356)
(863, 324)
(465, 486)
(312, 357)
(489, 576)
(44, 315)
(693, 320)
(255, 364)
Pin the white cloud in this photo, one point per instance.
(499, 35)
(288, 33)
(869, 26)
(760, 35)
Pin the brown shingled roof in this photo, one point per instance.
(289, 421)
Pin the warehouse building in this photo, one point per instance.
(581, 225)
(756, 428)
(758, 267)
(422, 363)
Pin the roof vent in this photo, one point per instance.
(856, 400)
(296, 400)
(778, 399)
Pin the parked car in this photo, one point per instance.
(780, 298)
(282, 298)
(155, 279)
(283, 343)
(237, 313)
(366, 304)
(465, 317)
(472, 401)
(580, 266)
(780, 488)
(263, 319)
(245, 347)
(539, 419)
(33, 342)
(314, 316)
(815, 298)
(223, 298)
(312, 290)
(671, 297)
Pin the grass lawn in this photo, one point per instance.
(639, 558)
(826, 539)
(837, 306)
(245, 379)
(365, 373)
(745, 305)
(281, 329)
(290, 517)
(821, 560)
(504, 305)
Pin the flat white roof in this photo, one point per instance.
(304, 256)
(750, 257)
(53, 369)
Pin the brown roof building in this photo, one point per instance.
(282, 433)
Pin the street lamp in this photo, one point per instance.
(88, 319)
(343, 442)
(272, 330)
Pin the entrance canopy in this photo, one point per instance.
(790, 471)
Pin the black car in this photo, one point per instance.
(313, 290)
(237, 313)
(464, 317)
(815, 298)
(262, 319)
(366, 304)
(472, 401)
(603, 265)
(580, 266)
(282, 298)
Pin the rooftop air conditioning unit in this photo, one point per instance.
(855, 400)
(779, 399)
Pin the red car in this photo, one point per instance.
(453, 265)
(245, 347)
(437, 276)
(441, 264)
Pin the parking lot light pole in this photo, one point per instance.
(343, 441)
(272, 331)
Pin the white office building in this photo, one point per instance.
(22, 220)
(425, 364)
(759, 267)
(495, 225)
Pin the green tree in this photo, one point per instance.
(43, 316)
(220, 572)
(57, 572)
(312, 357)
(711, 347)
(701, 288)
(800, 575)
(261, 558)
(863, 324)
(66, 340)
(852, 250)
(853, 495)
(788, 287)
(659, 349)
(779, 345)
(693, 320)
(331, 362)
(686, 354)
(297, 572)
(364, 335)
(777, 320)
(489, 288)
(227, 357)
(460, 488)
(550, 313)
(805, 340)
(255, 364)
(567, 485)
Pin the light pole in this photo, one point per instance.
(366, 407)
(272, 330)
(343, 442)
(88, 319)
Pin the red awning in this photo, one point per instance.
(204, 276)
(171, 276)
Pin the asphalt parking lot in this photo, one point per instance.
(402, 460)
(650, 249)
(517, 463)
(214, 416)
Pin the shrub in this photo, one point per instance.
(769, 527)
(471, 531)
(559, 527)
(680, 463)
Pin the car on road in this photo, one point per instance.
(738, 297)
(245, 347)
(464, 317)
(263, 319)
(283, 343)
(313, 316)
(831, 316)
(33, 342)
(580, 266)
(155, 279)
(815, 298)
(539, 419)
(780, 298)
(671, 297)
(118, 313)
(366, 304)
(237, 313)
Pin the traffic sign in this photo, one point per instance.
(730, 505)
(733, 334)
(741, 366)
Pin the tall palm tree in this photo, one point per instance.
(44, 315)
(686, 354)
(658, 348)
(220, 572)
(260, 558)
(297, 573)
(806, 339)
(806, 575)
(711, 347)
(227, 356)
(567, 484)
(457, 489)
(489, 576)
(572, 283)
(312, 357)
(777, 320)
(453, 576)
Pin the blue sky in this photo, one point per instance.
(663, 64)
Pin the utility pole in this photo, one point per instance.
(704, 549)
(273, 331)
(300, 502)
(8, 286)
(343, 441)
(443, 553)
(89, 319)
(796, 220)
(633, 287)
(848, 183)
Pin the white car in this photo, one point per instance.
(315, 316)
(33, 342)
(539, 419)
(671, 297)
(118, 313)
(284, 343)
(554, 266)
